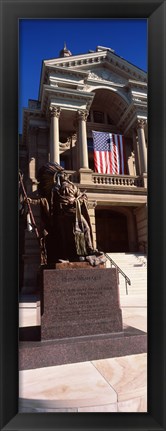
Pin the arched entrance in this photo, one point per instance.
(108, 105)
(111, 231)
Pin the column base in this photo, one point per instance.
(144, 178)
(85, 176)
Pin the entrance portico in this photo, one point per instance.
(97, 91)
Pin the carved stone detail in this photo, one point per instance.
(55, 111)
(82, 114)
(86, 87)
(92, 204)
(140, 123)
(106, 75)
(136, 99)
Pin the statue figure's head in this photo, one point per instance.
(60, 177)
(47, 178)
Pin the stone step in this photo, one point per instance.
(128, 257)
(134, 267)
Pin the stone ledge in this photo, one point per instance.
(57, 352)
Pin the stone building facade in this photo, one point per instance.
(79, 93)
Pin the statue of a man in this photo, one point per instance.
(67, 231)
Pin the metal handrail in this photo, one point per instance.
(127, 279)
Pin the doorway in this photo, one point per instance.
(111, 231)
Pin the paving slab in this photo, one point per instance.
(66, 386)
(110, 385)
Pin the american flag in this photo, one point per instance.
(109, 153)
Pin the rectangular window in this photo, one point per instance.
(98, 117)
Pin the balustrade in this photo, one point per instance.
(117, 180)
(110, 180)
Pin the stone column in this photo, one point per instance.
(54, 135)
(74, 163)
(32, 149)
(136, 152)
(91, 212)
(83, 147)
(142, 144)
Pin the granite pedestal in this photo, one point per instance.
(80, 302)
(81, 320)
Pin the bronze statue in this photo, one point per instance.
(66, 226)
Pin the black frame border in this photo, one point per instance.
(155, 12)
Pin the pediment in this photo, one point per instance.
(85, 71)
(105, 65)
(102, 74)
(106, 75)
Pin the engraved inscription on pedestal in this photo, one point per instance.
(80, 302)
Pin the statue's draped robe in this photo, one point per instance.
(66, 222)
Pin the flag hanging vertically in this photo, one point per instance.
(109, 153)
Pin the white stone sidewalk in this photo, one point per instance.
(105, 385)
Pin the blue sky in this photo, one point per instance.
(41, 39)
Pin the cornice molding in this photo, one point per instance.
(60, 83)
(60, 94)
(77, 60)
(67, 71)
(136, 84)
(124, 65)
(96, 57)
(68, 92)
(131, 115)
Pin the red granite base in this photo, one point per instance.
(80, 302)
(57, 352)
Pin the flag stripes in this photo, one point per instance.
(109, 153)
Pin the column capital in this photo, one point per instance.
(140, 123)
(55, 111)
(82, 114)
(142, 144)
(92, 204)
(54, 134)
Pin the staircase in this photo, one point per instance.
(134, 265)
